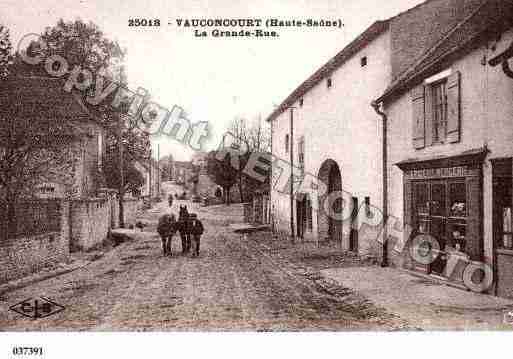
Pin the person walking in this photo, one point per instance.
(196, 230)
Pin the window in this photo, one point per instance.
(502, 196)
(301, 153)
(439, 93)
(287, 143)
(440, 209)
(301, 102)
(436, 110)
(328, 82)
(363, 61)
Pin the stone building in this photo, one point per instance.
(449, 142)
(81, 176)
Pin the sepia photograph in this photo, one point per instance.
(241, 178)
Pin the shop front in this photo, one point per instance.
(443, 199)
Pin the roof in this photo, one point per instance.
(334, 63)
(33, 95)
(492, 17)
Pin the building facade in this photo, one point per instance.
(450, 141)
(333, 102)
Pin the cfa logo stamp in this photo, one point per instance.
(37, 308)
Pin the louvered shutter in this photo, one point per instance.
(453, 108)
(429, 115)
(418, 120)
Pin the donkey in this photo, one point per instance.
(166, 228)
(183, 229)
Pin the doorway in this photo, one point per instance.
(329, 227)
(353, 236)
(440, 210)
(304, 215)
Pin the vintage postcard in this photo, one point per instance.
(244, 167)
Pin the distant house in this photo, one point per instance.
(182, 171)
(151, 172)
(45, 96)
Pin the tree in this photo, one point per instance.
(251, 137)
(133, 179)
(222, 173)
(84, 45)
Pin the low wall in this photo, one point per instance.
(248, 212)
(131, 206)
(25, 255)
(83, 224)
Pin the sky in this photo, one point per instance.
(212, 79)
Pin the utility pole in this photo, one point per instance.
(292, 231)
(150, 184)
(121, 175)
(158, 169)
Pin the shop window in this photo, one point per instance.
(440, 210)
(457, 220)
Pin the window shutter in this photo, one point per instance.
(418, 133)
(453, 108)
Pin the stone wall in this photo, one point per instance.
(131, 206)
(25, 255)
(83, 225)
(90, 222)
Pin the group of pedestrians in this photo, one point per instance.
(188, 225)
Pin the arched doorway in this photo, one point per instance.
(328, 227)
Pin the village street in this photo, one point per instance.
(243, 283)
(231, 286)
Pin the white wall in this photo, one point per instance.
(339, 124)
(486, 119)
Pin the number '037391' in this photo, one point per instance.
(26, 351)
